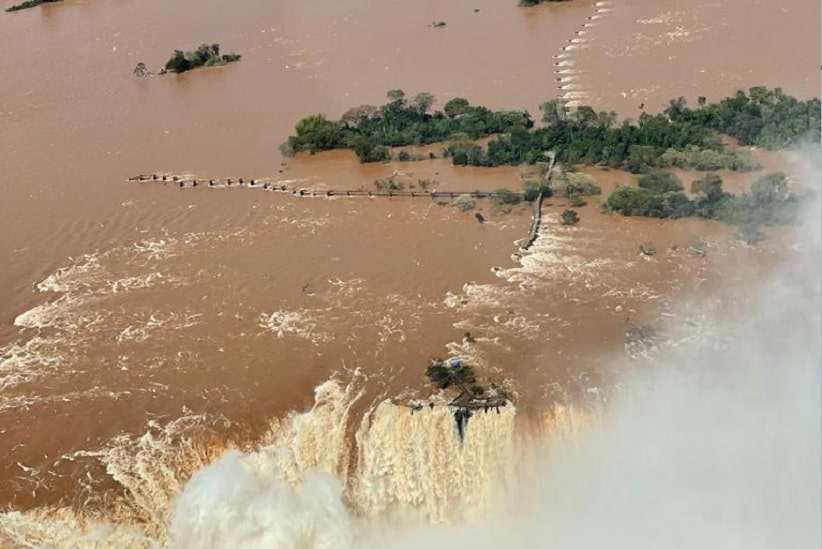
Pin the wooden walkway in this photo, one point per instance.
(182, 182)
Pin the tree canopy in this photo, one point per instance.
(769, 202)
(763, 117)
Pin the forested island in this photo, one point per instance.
(679, 137)
(30, 4)
(207, 55)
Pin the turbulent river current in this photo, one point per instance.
(235, 368)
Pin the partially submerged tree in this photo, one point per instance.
(569, 217)
(141, 70)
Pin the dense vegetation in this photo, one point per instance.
(443, 376)
(30, 4)
(680, 137)
(207, 55)
(763, 117)
(660, 194)
(369, 130)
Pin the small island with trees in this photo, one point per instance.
(453, 373)
(527, 3)
(207, 55)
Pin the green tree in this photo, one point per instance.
(396, 96)
(708, 187)
(444, 376)
(178, 62)
(316, 133)
(770, 188)
(354, 116)
(641, 158)
(456, 107)
(422, 102)
(553, 111)
(660, 181)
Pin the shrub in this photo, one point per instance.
(504, 196)
(569, 217)
(464, 202)
(141, 70)
(389, 184)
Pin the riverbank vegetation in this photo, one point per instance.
(30, 4)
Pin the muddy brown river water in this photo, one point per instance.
(125, 308)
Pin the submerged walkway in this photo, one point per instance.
(182, 181)
(534, 232)
(188, 182)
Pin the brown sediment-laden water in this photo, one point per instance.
(145, 328)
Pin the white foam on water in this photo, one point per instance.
(159, 321)
(23, 362)
(479, 296)
(347, 288)
(154, 249)
(81, 272)
(301, 324)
